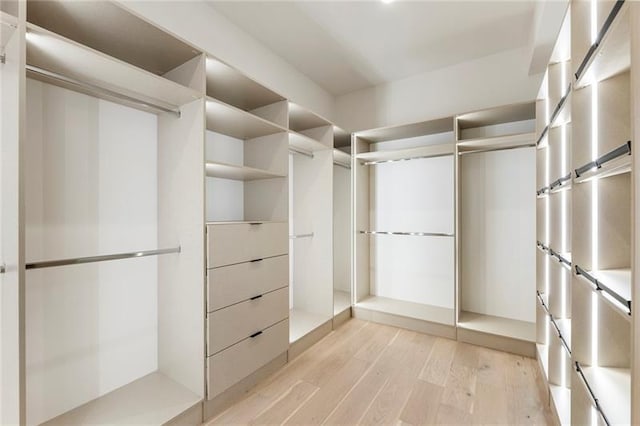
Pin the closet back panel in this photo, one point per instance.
(91, 179)
(341, 228)
(497, 229)
(413, 196)
(225, 199)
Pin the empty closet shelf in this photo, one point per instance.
(613, 163)
(233, 172)
(341, 301)
(614, 283)
(305, 143)
(609, 54)
(412, 234)
(517, 140)
(301, 119)
(499, 326)
(430, 151)
(610, 389)
(563, 330)
(152, 399)
(235, 122)
(303, 322)
(54, 59)
(561, 399)
(341, 157)
(101, 258)
(402, 308)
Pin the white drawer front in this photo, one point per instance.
(232, 284)
(242, 242)
(230, 325)
(228, 367)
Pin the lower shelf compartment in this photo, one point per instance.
(499, 326)
(341, 301)
(561, 403)
(152, 399)
(403, 308)
(612, 387)
(302, 323)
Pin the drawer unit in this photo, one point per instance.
(231, 243)
(231, 365)
(235, 283)
(237, 322)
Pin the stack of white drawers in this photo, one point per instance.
(247, 299)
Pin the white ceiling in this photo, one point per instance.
(349, 45)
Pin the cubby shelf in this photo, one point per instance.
(499, 326)
(613, 163)
(233, 172)
(561, 400)
(303, 322)
(615, 284)
(235, 122)
(610, 54)
(429, 151)
(497, 142)
(612, 388)
(305, 143)
(301, 119)
(341, 157)
(52, 56)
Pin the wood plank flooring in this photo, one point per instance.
(367, 373)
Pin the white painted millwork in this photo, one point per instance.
(231, 243)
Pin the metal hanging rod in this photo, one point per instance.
(544, 305)
(542, 246)
(560, 182)
(97, 89)
(413, 234)
(624, 149)
(337, 163)
(103, 258)
(542, 191)
(296, 237)
(301, 152)
(596, 403)
(559, 256)
(420, 157)
(603, 287)
(479, 151)
(603, 32)
(560, 336)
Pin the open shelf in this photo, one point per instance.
(516, 140)
(613, 163)
(499, 115)
(561, 184)
(305, 143)
(301, 119)
(78, 64)
(614, 283)
(499, 326)
(230, 171)
(436, 314)
(341, 301)
(341, 157)
(341, 138)
(234, 88)
(302, 323)
(111, 29)
(406, 154)
(611, 53)
(235, 122)
(152, 399)
(612, 387)
(441, 125)
(561, 400)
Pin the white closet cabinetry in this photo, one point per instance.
(341, 227)
(112, 240)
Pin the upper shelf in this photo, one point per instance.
(341, 157)
(305, 143)
(375, 157)
(82, 65)
(111, 29)
(610, 54)
(237, 123)
(431, 127)
(499, 115)
(301, 119)
(234, 88)
(497, 142)
(233, 172)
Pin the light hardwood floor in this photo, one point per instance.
(369, 373)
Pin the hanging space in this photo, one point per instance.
(113, 171)
(496, 228)
(341, 226)
(404, 242)
(311, 139)
(602, 210)
(246, 148)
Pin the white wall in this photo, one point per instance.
(202, 26)
(91, 188)
(494, 80)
